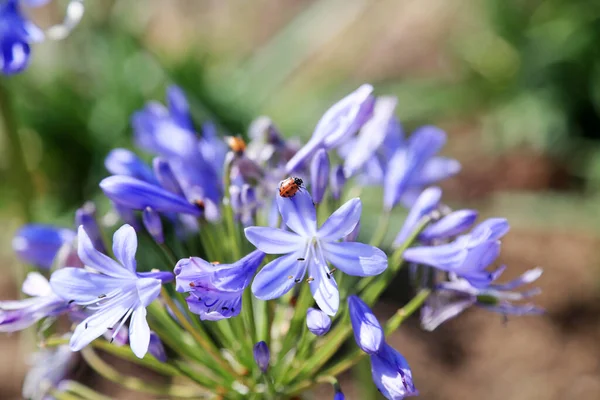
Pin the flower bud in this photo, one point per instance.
(451, 225)
(337, 181)
(339, 396)
(86, 216)
(126, 162)
(319, 175)
(367, 330)
(262, 356)
(137, 195)
(317, 321)
(153, 224)
(165, 176)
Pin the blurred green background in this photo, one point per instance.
(515, 83)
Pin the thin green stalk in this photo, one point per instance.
(304, 301)
(201, 339)
(139, 385)
(57, 394)
(81, 390)
(382, 229)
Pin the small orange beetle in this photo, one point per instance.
(289, 186)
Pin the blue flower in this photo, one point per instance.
(428, 202)
(86, 216)
(343, 119)
(137, 195)
(216, 290)
(308, 248)
(20, 314)
(49, 366)
(262, 356)
(468, 256)
(451, 298)
(414, 166)
(319, 175)
(126, 162)
(16, 34)
(317, 321)
(39, 244)
(112, 293)
(389, 369)
(169, 132)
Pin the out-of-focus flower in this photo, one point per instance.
(262, 356)
(153, 224)
(113, 293)
(337, 182)
(319, 175)
(468, 256)
(216, 290)
(16, 34)
(413, 166)
(339, 396)
(86, 216)
(137, 195)
(308, 248)
(389, 369)
(156, 348)
(39, 244)
(427, 202)
(343, 119)
(451, 298)
(317, 321)
(49, 367)
(16, 315)
(126, 162)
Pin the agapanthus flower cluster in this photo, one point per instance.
(235, 264)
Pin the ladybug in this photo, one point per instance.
(236, 144)
(289, 186)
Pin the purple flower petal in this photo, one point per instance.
(139, 332)
(490, 229)
(138, 195)
(391, 374)
(357, 259)
(298, 213)
(528, 277)
(451, 225)
(442, 306)
(36, 284)
(125, 246)
(446, 257)
(372, 135)
(427, 202)
(237, 276)
(95, 325)
(126, 162)
(98, 261)
(319, 175)
(148, 289)
(179, 107)
(278, 277)
(368, 333)
(342, 222)
(317, 321)
(81, 286)
(273, 240)
(323, 288)
(38, 244)
(435, 170)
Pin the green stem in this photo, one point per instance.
(138, 385)
(382, 229)
(81, 390)
(304, 301)
(201, 339)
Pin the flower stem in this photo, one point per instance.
(82, 391)
(304, 301)
(382, 229)
(204, 342)
(106, 371)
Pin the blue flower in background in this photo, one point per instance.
(309, 248)
(468, 256)
(39, 244)
(451, 298)
(20, 314)
(339, 122)
(168, 132)
(113, 293)
(216, 290)
(16, 34)
(262, 355)
(49, 366)
(389, 369)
